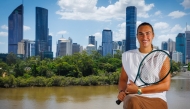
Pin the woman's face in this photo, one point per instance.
(145, 36)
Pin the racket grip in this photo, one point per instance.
(118, 102)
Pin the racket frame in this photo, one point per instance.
(138, 74)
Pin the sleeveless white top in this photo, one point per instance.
(131, 60)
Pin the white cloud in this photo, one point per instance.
(3, 34)
(161, 25)
(120, 34)
(62, 32)
(157, 13)
(97, 35)
(166, 37)
(138, 23)
(186, 4)
(26, 28)
(87, 9)
(187, 28)
(176, 14)
(177, 28)
(4, 27)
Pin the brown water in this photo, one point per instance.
(83, 97)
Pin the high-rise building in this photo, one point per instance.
(75, 48)
(107, 46)
(115, 45)
(181, 45)
(187, 34)
(100, 50)
(90, 48)
(26, 47)
(49, 43)
(15, 29)
(64, 47)
(164, 45)
(131, 18)
(91, 40)
(41, 30)
(171, 46)
(32, 48)
(177, 56)
(123, 45)
(21, 49)
(81, 49)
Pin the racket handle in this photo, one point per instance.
(118, 102)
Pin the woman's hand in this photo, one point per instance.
(132, 88)
(121, 95)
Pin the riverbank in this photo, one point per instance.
(182, 75)
(61, 81)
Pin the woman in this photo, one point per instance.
(134, 97)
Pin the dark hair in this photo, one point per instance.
(144, 24)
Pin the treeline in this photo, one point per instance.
(77, 69)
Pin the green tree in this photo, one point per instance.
(188, 68)
(3, 67)
(175, 66)
(118, 54)
(11, 59)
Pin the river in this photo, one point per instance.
(85, 97)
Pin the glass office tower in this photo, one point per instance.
(187, 34)
(131, 18)
(107, 44)
(164, 45)
(41, 30)
(91, 40)
(49, 43)
(15, 29)
(181, 45)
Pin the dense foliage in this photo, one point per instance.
(77, 69)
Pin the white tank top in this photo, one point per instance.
(131, 60)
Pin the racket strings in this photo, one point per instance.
(154, 68)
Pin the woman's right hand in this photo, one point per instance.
(121, 95)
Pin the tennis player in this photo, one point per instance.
(147, 97)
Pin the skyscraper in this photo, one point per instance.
(164, 45)
(64, 47)
(32, 48)
(41, 30)
(107, 44)
(181, 45)
(123, 45)
(177, 56)
(187, 34)
(171, 46)
(15, 29)
(90, 48)
(91, 40)
(75, 48)
(131, 18)
(49, 43)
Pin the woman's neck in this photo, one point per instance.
(145, 50)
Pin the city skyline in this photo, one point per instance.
(79, 20)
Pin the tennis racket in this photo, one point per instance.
(154, 67)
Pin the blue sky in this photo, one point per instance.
(79, 19)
